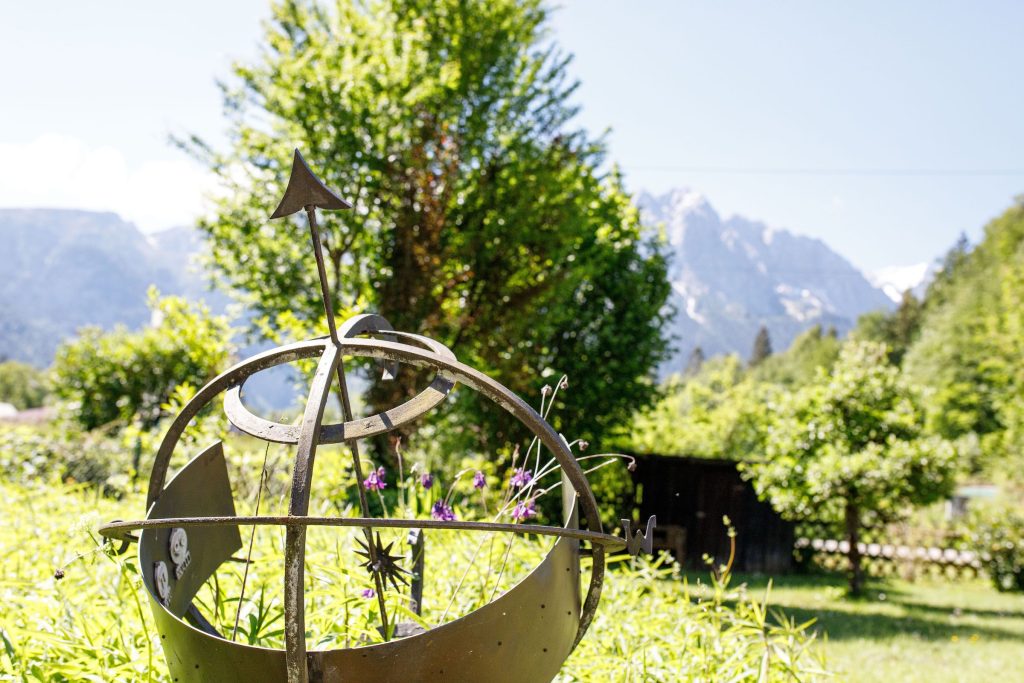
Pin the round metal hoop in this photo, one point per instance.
(119, 530)
(310, 433)
(381, 423)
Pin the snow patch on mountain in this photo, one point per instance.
(894, 280)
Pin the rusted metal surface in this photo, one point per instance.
(295, 534)
(524, 635)
(417, 557)
(381, 560)
(200, 489)
(376, 325)
(461, 373)
(361, 428)
(305, 189)
(121, 530)
(640, 540)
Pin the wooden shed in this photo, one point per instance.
(691, 495)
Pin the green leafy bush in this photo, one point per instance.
(120, 377)
(29, 454)
(21, 385)
(997, 534)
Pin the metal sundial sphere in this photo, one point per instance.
(191, 527)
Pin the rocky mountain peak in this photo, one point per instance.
(730, 276)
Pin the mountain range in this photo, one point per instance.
(63, 269)
(731, 276)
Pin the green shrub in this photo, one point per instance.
(113, 378)
(21, 385)
(996, 533)
(31, 454)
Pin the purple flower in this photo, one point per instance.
(375, 480)
(564, 384)
(426, 480)
(479, 480)
(584, 444)
(442, 512)
(524, 510)
(521, 477)
(545, 390)
(368, 593)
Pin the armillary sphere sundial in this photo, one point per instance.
(191, 528)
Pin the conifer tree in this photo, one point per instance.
(695, 362)
(762, 347)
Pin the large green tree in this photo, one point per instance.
(849, 450)
(482, 216)
(970, 351)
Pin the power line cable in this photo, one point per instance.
(882, 172)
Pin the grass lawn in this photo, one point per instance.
(927, 631)
(89, 624)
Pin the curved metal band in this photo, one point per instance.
(523, 412)
(298, 505)
(268, 359)
(381, 423)
(403, 353)
(371, 323)
(119, 530)
(536, 618)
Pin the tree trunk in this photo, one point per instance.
(407, 298)
(853, 538)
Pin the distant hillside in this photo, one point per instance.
(63, 269)
(970, 349)
(731, 276)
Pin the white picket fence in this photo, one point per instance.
(947, 557)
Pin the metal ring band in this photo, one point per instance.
(119, 530)
(381, 423)
(403, 353)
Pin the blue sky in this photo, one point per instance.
(883, 128)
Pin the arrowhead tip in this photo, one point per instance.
(305, 189)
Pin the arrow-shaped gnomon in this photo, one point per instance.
(305, 192)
